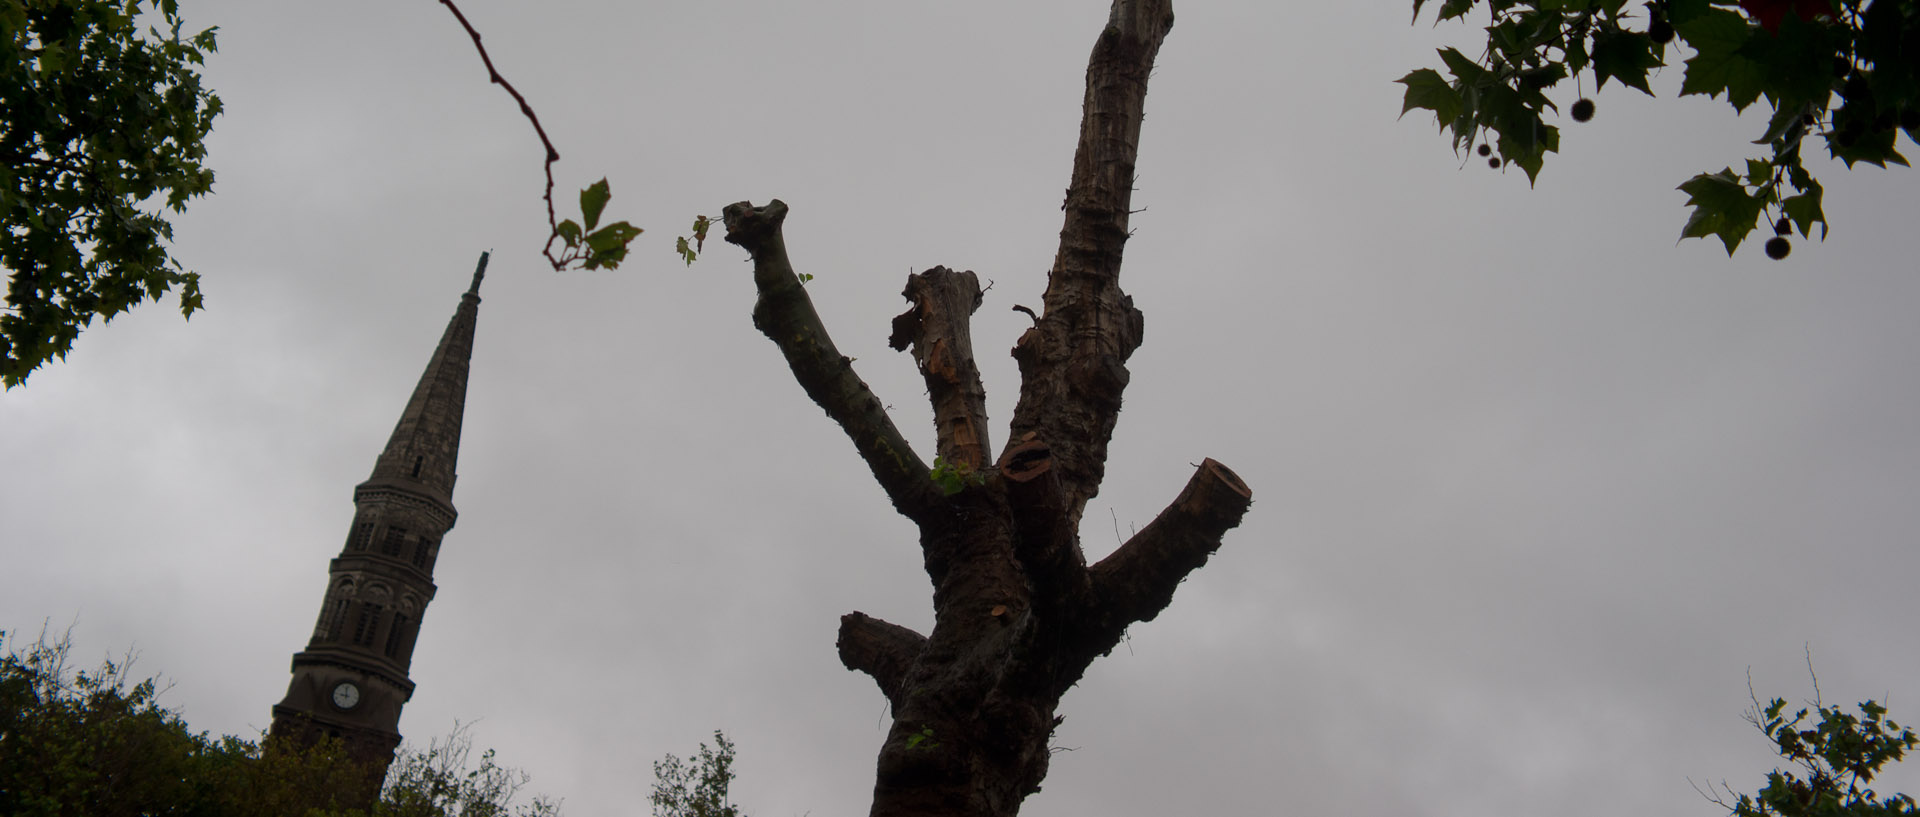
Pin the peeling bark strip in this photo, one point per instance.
(1018, 614)
(937, 328)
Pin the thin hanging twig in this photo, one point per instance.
(553, 155)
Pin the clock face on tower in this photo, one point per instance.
(346, 695)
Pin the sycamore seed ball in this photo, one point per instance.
(1583, 110)
(1486, 150)
(1778, 247)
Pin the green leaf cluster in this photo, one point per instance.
(592, 245)
(1845, 70)
(102, 130)
(96, 742)
(441, 781)
(1499, 100)
(954, 477)
(922, 739)
(1729, 205)
(697, 786)
(1833, 762)
(690, 251)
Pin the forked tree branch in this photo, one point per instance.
(786, 316)
(937, 326)
(1018, 614)
(880, 649)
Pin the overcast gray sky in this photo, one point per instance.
(1535, 487)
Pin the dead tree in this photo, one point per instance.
(1018, 613)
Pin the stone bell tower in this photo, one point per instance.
(351, 680)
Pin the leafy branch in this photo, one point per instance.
(1836, 759)
(593, 248)
(1839, 69)
(691, 251)
(696, 786)
(105, 133)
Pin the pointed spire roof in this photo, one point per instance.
(424, 450)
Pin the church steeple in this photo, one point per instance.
(425, 444)
(351, 680)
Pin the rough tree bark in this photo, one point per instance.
(1018, 613)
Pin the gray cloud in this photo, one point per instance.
(1534, 486)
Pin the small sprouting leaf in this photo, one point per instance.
(804, 278)
(700, 225)
(949, 483)
(593, 200)
(953, 477)
(689, 250)
(569, 233)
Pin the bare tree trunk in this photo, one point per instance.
(1018, 613)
